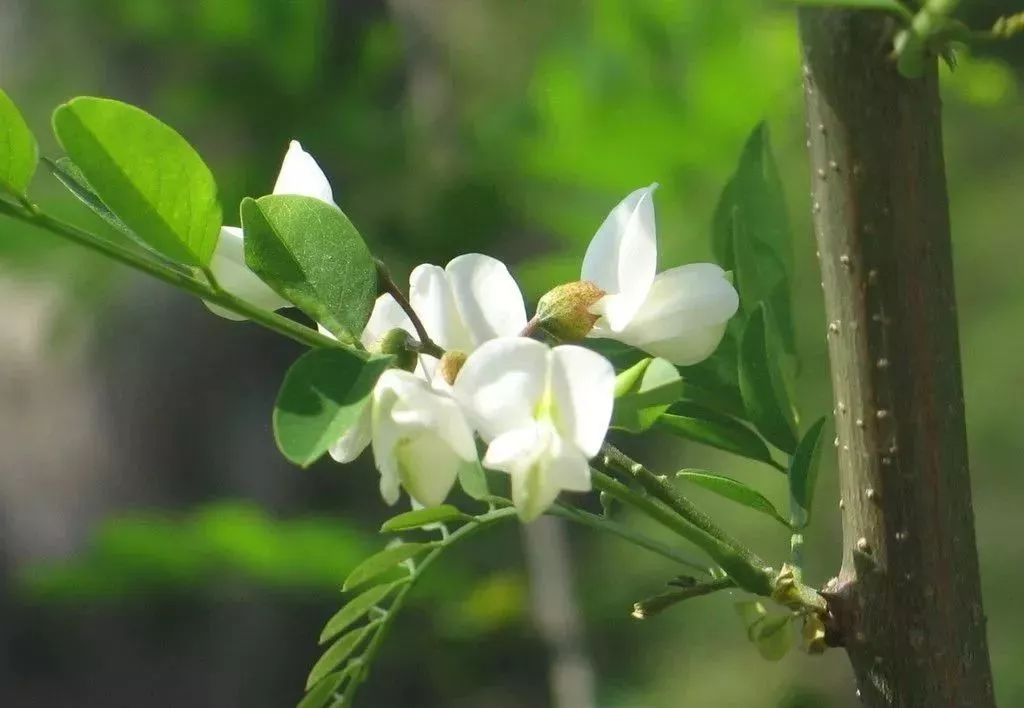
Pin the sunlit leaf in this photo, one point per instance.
(645, 391)
(382, 562)
(354, 609)
(323, 395)
(734, 491)
(146, 173)
(310, 253)
(336, 654)
(326, 688)
(423, 517)
(19, 152)
(764, 394)
(803, 468)
(751, 233)
(703, 425)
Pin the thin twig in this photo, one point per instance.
(426, 344)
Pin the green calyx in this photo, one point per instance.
(401, 345)
(565, 311)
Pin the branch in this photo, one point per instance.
(30, 214)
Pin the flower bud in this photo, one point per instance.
(451, 365)
(399, 344)
(564, 312)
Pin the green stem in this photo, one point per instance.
(30, 214)
(663, 490)
(627, 534)
(373, 647)
(653, 605)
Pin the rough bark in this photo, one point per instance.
(907, 601)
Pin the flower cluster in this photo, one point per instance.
(543, 412)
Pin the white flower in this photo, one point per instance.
(420, 439)
(471, 300)
(680, 314)
(544, 413)
(299, 175)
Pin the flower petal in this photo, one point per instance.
(685, 314)
(420, 438)
(487, 297)
(228, 267)
(691, 347)
(583, 391)
(428, 468)
(387, 315)
(355, 439)
(623, 257)
(431, 297)
(501, 384)
(301, 175)
(525, 454)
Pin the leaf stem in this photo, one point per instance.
(426, 344)
(664, 491)
(627, 534)
(470, 528)
(30, 214)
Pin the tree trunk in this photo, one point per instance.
(907, 602)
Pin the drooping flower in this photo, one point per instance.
(543, 411)
(473, 299)
(420, 439)
(679, 314)
(301, 175)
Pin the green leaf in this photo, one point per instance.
(703, 425)
(473, 480)
(311, 254)
(734, 491)
(751, 234)
(19, 152)
(68, 174)
(354, 610)
(803, 469)
(773, 636)
(645, 391)
(145, 173)
(384, 561)
(890, 5)
(336, 654)
(325, 689)
(323, 395)
(764, 394)
(423, 517)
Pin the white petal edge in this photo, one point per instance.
(431, 297)
(622, 258)
(300, 174)
(356, 439)
(583, 389)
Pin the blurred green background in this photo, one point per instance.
(154, 547)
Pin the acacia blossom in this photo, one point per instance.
(679, 314)
(543, 411)
(470, 301)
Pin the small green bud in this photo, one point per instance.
(564, 312)
(451, 365)
(399, 344)
(814, 641)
